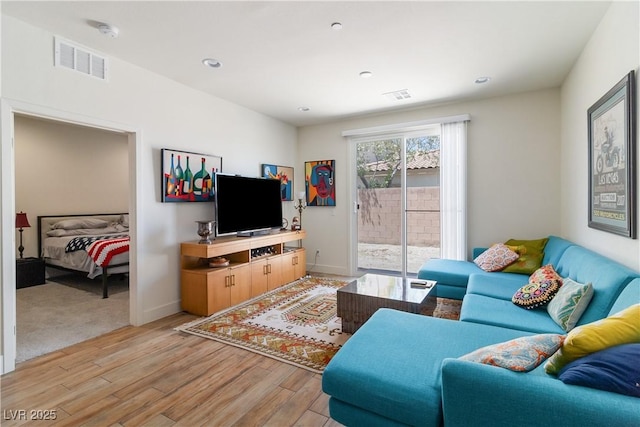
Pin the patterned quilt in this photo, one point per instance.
(102, 251)
(83, 242)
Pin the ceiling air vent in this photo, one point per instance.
(80, 59)
(397, 95)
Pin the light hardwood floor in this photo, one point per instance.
(154, 376)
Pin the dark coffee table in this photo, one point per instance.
(357, 301)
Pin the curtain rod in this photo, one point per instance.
(404, 127)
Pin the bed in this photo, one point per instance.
(96, 244)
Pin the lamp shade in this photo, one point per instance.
(22, 221)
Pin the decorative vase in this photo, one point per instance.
(205, 230)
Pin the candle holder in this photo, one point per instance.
(205, 230)
(300, 207)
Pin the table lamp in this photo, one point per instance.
(21, 222)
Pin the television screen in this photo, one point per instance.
(244, 204)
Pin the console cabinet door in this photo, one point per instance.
(259, 277)
(240, 284)
(275, 272)
(300, 263)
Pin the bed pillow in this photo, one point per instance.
(495, 258)
(124, 220)
(80, 223)
(86, 231)
(571, 301)
(614, 369)
(520, 354)
(617, 329)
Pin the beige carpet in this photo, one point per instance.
(54, 316)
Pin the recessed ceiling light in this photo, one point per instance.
(213, 63)
(303, 109)
(481, 80)
(336, 26)
(366, 74)
(108, 30)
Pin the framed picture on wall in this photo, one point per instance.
(188, 177)
(612, 160)
(284, 174)
(320, 182)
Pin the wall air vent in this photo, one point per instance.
(73, 57)
(397, 95)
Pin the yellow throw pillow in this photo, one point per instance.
(617, 329)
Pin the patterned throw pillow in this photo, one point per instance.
(520, 354)
(570, 303)
(543, 285)
(496, 258)
(544, 274)
(533, 295)
(617, 329)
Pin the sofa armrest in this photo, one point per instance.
(477, 251)
(474, 394)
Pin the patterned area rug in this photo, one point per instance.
(296, 323)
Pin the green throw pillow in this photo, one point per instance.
(531, 254)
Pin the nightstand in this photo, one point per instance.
(29, 272)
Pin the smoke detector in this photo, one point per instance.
(108, 30)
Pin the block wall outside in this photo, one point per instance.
(379, 216)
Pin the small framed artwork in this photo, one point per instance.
(320, 182)
(612, 160)
(188, 177)
(284, 174)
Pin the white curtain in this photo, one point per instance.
(453, 191)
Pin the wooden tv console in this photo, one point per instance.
(256, 265)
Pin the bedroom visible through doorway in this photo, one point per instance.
(64, 168)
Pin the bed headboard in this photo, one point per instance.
(46, 222)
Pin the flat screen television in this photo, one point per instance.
(247, 205)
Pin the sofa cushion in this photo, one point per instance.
(620, 328)
(449, 271)
(520, 354)
(607, 277)
(497, 312)
(496, 258)
(497, 285)
(614, 369)
(568, 305)
(630, 295)
(391, 365)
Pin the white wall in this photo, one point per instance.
(611, 53)
(513, 171)
(66, 169)
(169, 115)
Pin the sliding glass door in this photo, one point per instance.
(398, 201)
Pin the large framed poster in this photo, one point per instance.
(612, 160)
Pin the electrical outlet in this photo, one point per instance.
(318, 253)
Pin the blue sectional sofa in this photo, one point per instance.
(403, 369)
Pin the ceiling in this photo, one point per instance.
(280, 56)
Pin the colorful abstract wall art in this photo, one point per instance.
(284, 174)
(188, 177)
(320, 182)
